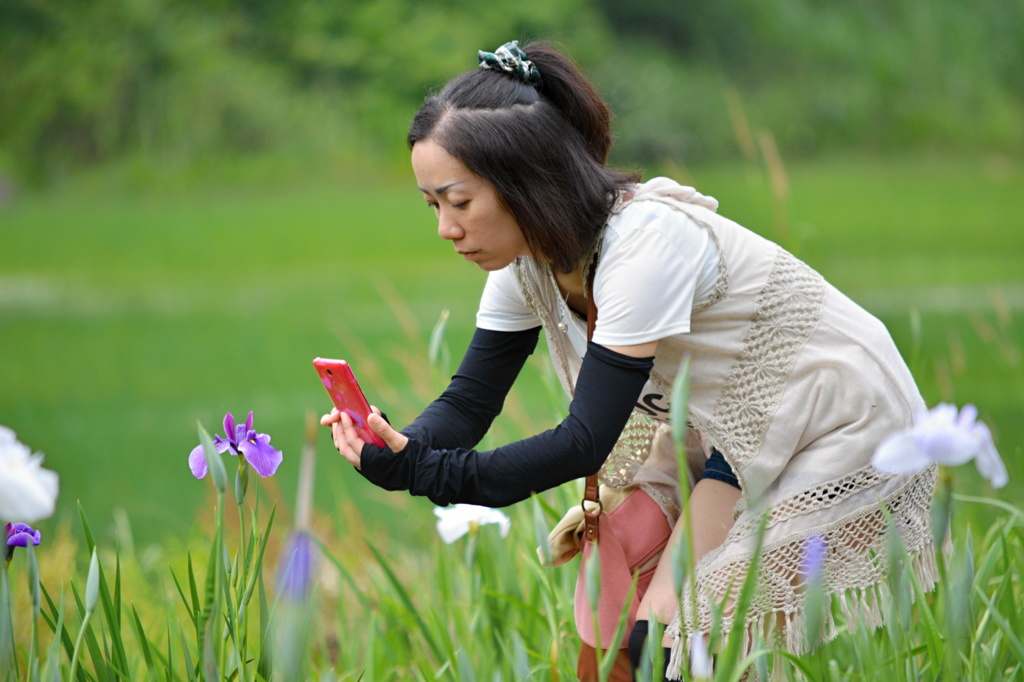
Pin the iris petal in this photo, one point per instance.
(942, 415)
(899, 454)
(815, 552)
(989, 464)
(197, 462)
(27, 490)
(946, 445)
(451, 529)
(701, 666)
(942, 436)
(454, 522)
(229, 424)
(21, 534)
(968, 415)
(296, 575)
(260, 454)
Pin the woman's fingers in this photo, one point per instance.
(347, 440)
(330, 418)
(396, 441)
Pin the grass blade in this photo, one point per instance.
(406, 600)
(57, 621)
(1008, 630)
(143, 642)
(363, 601)
(188, 607)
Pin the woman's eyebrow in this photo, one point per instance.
(442, 190)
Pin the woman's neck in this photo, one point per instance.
(572, 289)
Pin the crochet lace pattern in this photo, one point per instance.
(787, 312)
(854, 574)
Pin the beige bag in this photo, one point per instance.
(657, 476)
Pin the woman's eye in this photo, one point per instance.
(461, 205)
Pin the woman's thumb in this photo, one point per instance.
(396, 441)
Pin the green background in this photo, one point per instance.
(198, 202)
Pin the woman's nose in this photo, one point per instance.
(448, 229)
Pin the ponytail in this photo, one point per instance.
(572, 94)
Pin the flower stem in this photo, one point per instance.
(33, 590)
(8, 661)
(78, 644)
(91, 598)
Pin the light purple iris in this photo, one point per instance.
(815, 552)
(942, 436)
(295, 574)
(240, 439)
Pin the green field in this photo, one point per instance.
(125, 318)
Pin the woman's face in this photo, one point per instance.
(469, 212)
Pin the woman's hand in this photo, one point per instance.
(348, 442)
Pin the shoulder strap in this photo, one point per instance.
(590, 491)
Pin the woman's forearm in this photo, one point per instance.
(476, 395)
(606, 392)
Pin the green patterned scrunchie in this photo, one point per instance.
(512, 60)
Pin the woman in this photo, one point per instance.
(792, 385)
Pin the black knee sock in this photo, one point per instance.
(637, 639)
(636, 644)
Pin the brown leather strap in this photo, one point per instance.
(591, 515)
(590, 491)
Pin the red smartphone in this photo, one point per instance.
(346, 395)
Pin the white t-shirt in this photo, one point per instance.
(656, 264)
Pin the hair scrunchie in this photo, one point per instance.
(512, 60)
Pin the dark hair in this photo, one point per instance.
(543, 149)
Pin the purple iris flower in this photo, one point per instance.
(20, 535)
(295, 573)
(815, 552)
(240, 439)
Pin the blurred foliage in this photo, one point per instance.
(84, 82)
(866, 74)
(87, 81)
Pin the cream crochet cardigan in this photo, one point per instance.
(795, 385)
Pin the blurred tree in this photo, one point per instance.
(825, 75)
(84, 81)
(88, 81)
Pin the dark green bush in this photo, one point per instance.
(84, 82)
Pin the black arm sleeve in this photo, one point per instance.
(606, 391)
(462, 414)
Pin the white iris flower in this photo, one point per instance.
(701, 666)
(454, 522)
(941, 436)
(28, 492)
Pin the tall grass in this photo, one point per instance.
(483, 608)
(480, 609)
